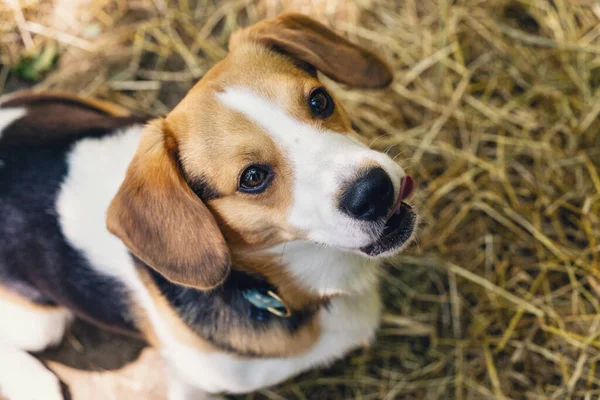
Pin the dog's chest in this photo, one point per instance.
(349, 322)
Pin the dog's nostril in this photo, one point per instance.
(370, 197)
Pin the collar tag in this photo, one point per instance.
(269, 301)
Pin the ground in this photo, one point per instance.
(494, 110)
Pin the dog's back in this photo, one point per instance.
(37, 262)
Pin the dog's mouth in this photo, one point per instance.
(399, 227)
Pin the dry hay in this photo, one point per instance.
(494, 110)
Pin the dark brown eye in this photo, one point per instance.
(254, 179)
(320, 103)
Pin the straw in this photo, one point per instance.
(495, 112)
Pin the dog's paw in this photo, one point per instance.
(23, 377)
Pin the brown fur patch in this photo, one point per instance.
(216, 146)
(162, 222)
(26, 98)
(276, 342)
(312, 42)
(53, 117)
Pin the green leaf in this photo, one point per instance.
(34, 67)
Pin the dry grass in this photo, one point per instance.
(494, 109)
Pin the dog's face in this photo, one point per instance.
(259, 151)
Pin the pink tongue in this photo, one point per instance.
(407, 185)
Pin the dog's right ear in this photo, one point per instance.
(162, 221)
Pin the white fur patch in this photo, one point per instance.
(23, 377)
(10, 115)
(97, 167)
(322, 162)
(326, 270)
(31, 329)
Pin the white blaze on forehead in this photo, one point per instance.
(287, 130)
(322, 161)
(10, 115)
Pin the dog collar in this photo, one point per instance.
(267, 300)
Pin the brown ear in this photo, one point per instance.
(162, 221)
(309, 41)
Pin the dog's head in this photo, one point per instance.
(259, 153)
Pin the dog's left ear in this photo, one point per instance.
(160, 219)
(311, 42)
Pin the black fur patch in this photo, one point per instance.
(215, 314)
(204, 190)
(35, 257)
(36, 260)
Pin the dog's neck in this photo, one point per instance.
(325, 271)
(305, 277)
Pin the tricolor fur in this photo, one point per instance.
(141, 226)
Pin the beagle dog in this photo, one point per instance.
(241, 235)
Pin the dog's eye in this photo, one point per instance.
(254, 179)
(320, 103)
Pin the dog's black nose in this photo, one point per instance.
(370, 197)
